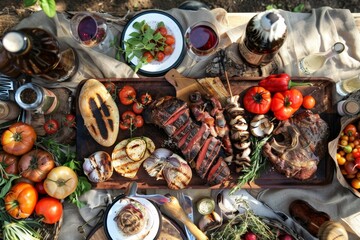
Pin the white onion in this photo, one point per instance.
(97, 167)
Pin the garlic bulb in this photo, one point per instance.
(97, 167)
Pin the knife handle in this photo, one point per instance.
(173, 207)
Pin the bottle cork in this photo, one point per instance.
(348, 107)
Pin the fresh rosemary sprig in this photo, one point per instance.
(257, 161)
(242, 223)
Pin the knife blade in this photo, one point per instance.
(186, 203)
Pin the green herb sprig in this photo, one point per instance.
(142, 40)
(242, 223)
(257, 163)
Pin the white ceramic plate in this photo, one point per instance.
(153, 17)
(151, 229)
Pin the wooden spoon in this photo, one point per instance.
(173, 207)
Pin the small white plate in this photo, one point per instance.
(151, 229)
(153, 17)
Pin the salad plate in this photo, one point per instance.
(153, 18)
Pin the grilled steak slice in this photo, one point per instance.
(218, 173)
(195, 148)
(184, 129)
(176, 121)
(303, 144)
(188, 136)
(160, 111)
(207, 156)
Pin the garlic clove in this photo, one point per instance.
(227, 208)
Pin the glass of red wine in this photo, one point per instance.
(89, 29)
(201, 39)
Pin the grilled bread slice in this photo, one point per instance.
(100, 112)
(129, 154)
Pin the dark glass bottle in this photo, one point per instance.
(36, 52)
(6, 67)
(265, 34)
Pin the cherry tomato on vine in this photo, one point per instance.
(51, 126)
(145, 99)
(127, 95)
(128, 117)
(137, 108)
(138, 121)
(70, 120)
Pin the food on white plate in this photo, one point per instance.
(303, 139)
(132, 218)
(97, 167)
(164, 164)
(100, 112)
(239, 133)
(126, 158)
(172, 115)
(261, 126)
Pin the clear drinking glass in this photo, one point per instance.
(89, 29)
(201, 40)
(349, 85)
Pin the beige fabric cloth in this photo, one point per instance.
(308, 33)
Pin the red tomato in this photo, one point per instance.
(148, 56)
(51, 126)
(162, 30)
(39, 186)
(128, 117)
(160, 56)
(170, 40)
(138, 121)
(257, 100)
(308, 102)
(110, 87)
(137, 108)
(285, 104)
(69, 120)
(168, 50)
(50, 209)
(124, 126)
(127, 95)
(145, 99)
(350, 130)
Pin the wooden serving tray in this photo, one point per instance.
(322, 89)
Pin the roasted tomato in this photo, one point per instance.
(9, 162)
(137, 108)
(257, 100)
(127, 95)
(51, 126)
(128, 117)
(69, 120)
(285, 104)
(110, 87)
(50, 209)
(138, 121)
(170, 40)
(148, 56)
(160, 56)
(60, 182)
(162, 30)
(21, 200)
(36, 164)
(145, 99)
(18, 139)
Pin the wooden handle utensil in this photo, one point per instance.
(173, 207)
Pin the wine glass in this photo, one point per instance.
(89, 29)
(202, 40)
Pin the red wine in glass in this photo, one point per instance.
(89, 30)
(202, 39)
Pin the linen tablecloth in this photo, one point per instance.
(307, 33)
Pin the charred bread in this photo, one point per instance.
(100, 112)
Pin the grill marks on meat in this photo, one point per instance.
(303, 145)
(194, 141)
